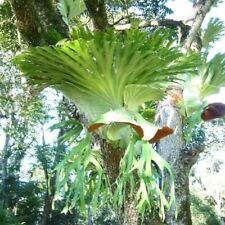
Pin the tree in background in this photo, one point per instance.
(114, 72)
(19, 114)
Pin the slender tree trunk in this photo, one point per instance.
(173, 149)
(49, 197)
(51, 180)
(202, 8)
(170, 148)
(4, 168)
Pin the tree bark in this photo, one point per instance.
(170, 148)
(128, 214)
(27, 21)
(36, 20)
(202, 8)
(4, 168)
(173, 149)
(97, 12)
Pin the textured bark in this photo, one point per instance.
(173, 149)
(36, 20)
(27, 20)
(97, 12)
(202, 8)
(51, 19)
(111, 160)
(127, 215)
(4, 175)
(131, 215)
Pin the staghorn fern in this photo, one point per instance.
(107, 67)
(109, 76)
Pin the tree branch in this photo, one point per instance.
(97, 12)
(36, 20)
(183, 28)
(153, 23)
(27, 20)
(202, 8)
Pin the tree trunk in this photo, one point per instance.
(4, 168)
(51, 180)
(49, 197)
(202, 8)
(172, 148)
(128, 215)
(97, 12)
(36, 20)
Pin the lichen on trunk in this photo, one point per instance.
(171, 148)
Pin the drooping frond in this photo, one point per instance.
(96, 73)
(213, 32)
(208, 81)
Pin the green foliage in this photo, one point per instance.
(208, 80)
(213, 32)
(81, 170)
(8, 31)
(212, 75)
(150, 9)
(203, 212)
(24, 202)
(115, 74)
(70, 9)
(153, 8)
(103, 66)
(7, 218)
(141, 160)
(74, 129)
(145, 130)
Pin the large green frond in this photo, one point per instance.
(137, 94)
(141, 160)
(94, 72)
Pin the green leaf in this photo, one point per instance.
(137, 94)
(70, 9)
(144, 129)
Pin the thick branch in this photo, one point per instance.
(97, 12)
(201, 10)
(154, 23)
(36, 20)
(183, 28)
(27, 20)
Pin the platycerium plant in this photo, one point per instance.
(109, 76)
